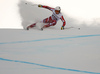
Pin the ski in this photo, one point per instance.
(72, 27)
(31, 4)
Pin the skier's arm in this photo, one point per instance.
(64, 22)
(47, 7)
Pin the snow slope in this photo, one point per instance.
(51, 51)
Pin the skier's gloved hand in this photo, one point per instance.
(62, 28)
(39, 5)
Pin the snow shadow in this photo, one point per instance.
(31, 14)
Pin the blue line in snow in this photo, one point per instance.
(48, 66)
(61, 38)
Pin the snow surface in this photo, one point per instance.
(51, 51)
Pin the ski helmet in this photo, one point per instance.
(58, 8)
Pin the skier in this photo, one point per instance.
(52, 20)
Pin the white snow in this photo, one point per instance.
(51, 51)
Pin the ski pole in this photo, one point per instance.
(32, 4)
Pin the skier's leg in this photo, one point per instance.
(46, 20)
(31, 26)
(50, 24)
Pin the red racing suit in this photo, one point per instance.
(52, 20)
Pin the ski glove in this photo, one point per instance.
(62, 28)
(39, 5)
